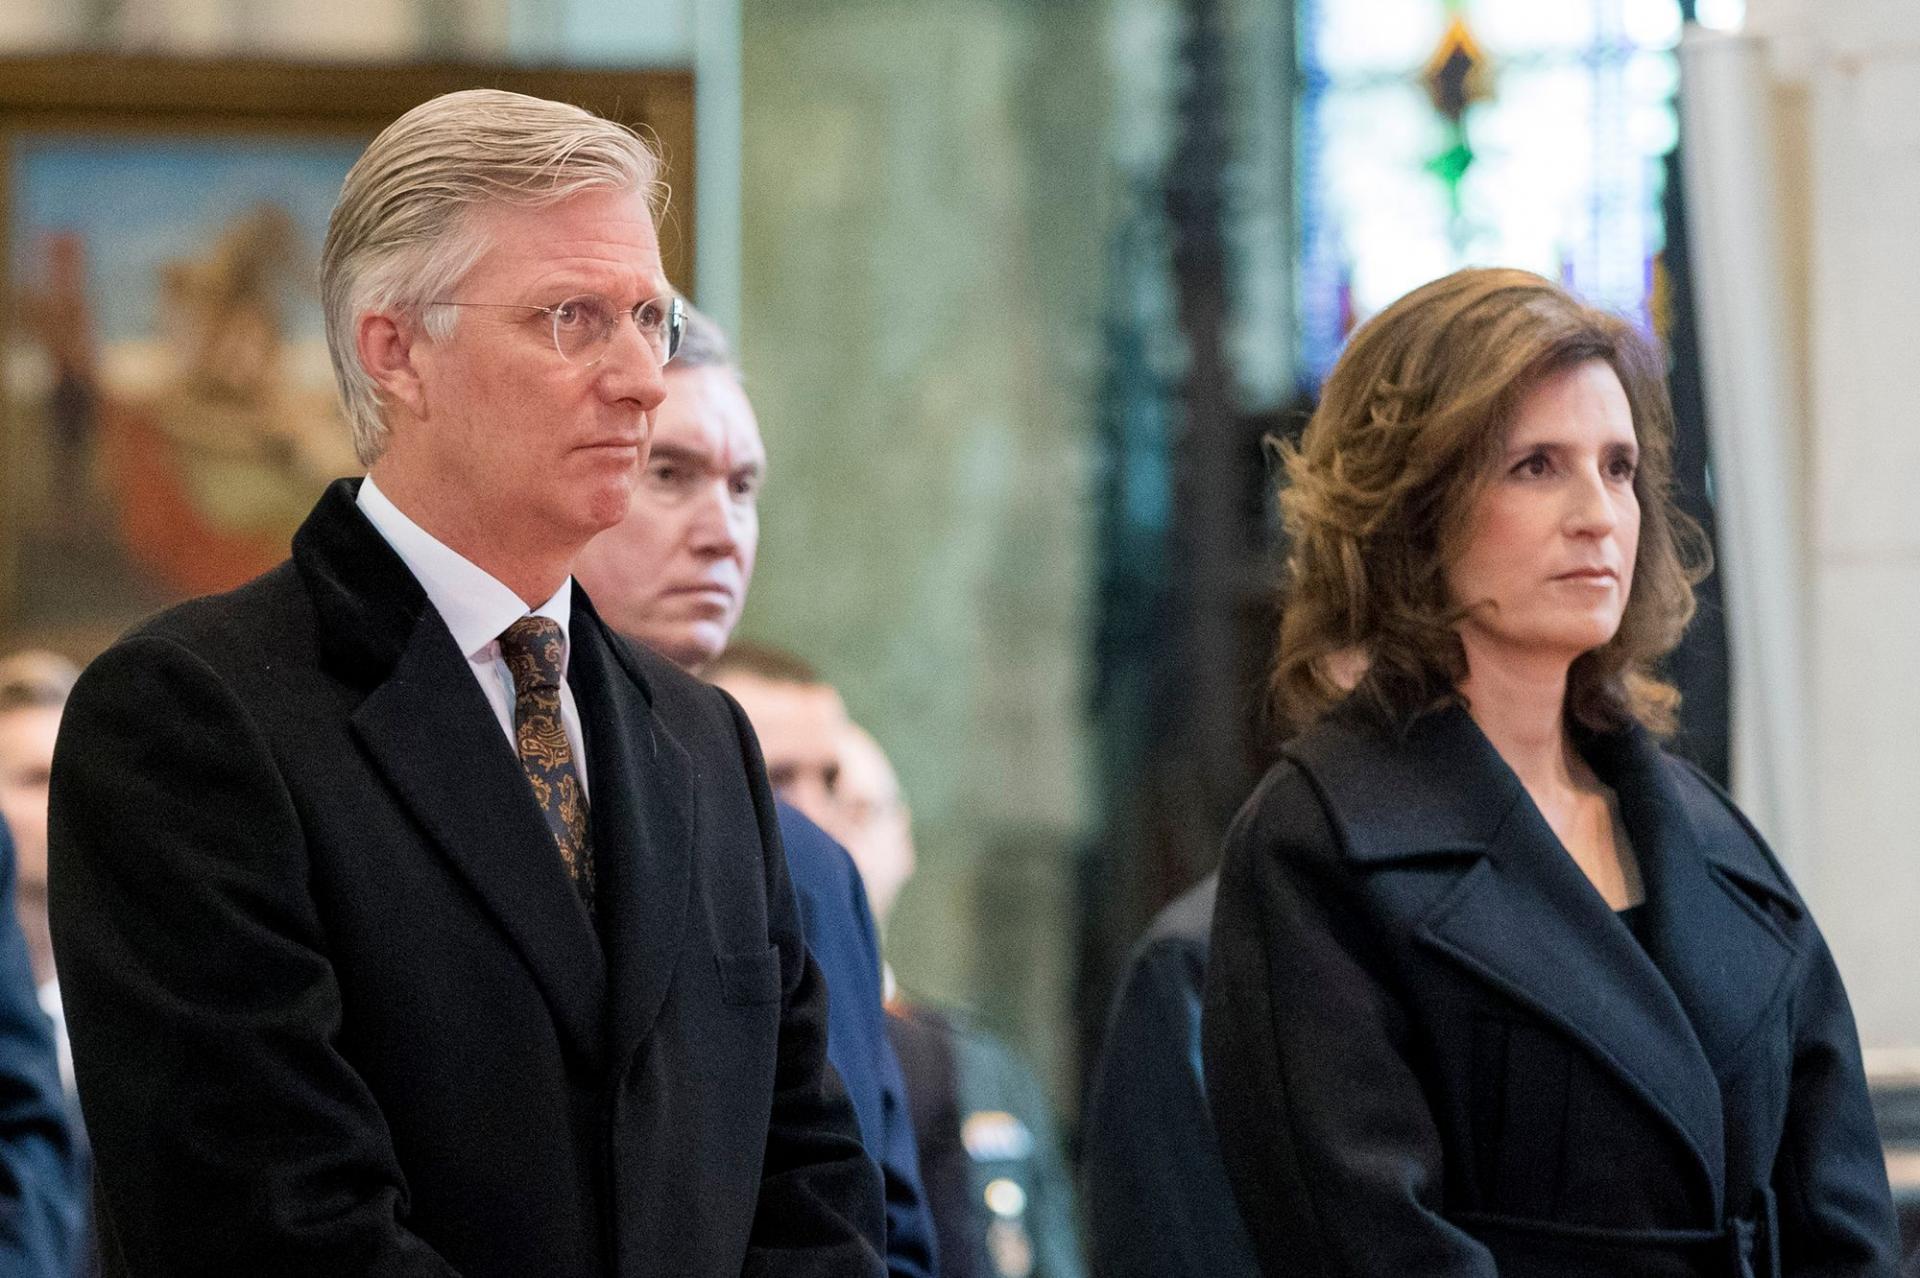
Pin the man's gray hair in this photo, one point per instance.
(402, 234)
(703, 343)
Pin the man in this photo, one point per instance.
(33, 689)
(990, 1151)
(799, 718)
(410, 922)
(1158, 1202)
(40, 1223)
(674, 575)
(33, 692)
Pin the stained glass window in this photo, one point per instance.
(1435, 134)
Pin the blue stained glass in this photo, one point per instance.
(1564, 174)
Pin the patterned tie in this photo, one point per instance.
(532, 647)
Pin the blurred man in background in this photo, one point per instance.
(799, 718)
(1157, 1199)
(40, 1194)
(989, 1150)
(674, 575)
(33, 691)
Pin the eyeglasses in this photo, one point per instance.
(583, 326)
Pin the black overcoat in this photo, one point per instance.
(1431, 1048)
(336, 1008)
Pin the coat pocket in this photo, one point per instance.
(750, 978)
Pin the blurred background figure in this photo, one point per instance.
(871, 818)
(33, 691)
(799, 718)
(990, 1153)
(1157, 1200)
(673, 576)
(41, 1195)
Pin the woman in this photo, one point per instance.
(1498, 987)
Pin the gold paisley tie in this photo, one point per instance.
(534, 651)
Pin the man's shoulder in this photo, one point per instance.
(267, 618)
(815, 855)
(833, 903)
(1187, 920)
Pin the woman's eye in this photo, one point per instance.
(1623, 468)
(1532, 466)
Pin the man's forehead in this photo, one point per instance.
(803, 712)
(596, 241)
(706, 419)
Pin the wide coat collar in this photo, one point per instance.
(428, 729)
(1672, 1019)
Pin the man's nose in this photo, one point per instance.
(633, 368)
(716, 519)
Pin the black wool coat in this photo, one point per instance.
(336, 1007)
(1431, 1048)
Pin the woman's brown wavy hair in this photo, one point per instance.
(1379, 490)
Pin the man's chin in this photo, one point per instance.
(693, 648)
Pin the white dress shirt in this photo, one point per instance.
(48, 992)
(477, 608)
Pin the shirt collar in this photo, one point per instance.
(475, 604)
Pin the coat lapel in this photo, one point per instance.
(1729, 965)
(1520, 915)
(642, 827)
(429, 730)
(1527, 920)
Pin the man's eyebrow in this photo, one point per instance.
(680, 453)
(575, 283)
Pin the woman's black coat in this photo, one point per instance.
(1432, 1049)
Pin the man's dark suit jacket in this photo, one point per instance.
(1432, 1048)
(40, 1199)
(336, 1007)
(1158, 1202)
(838, 925)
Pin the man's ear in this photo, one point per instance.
(387, 351)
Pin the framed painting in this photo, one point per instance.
(167, 412)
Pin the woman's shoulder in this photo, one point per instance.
(1284, 808)
(1394, 792)
(1725, 835)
